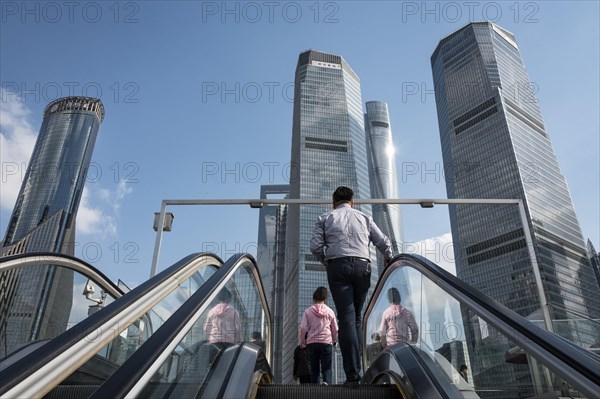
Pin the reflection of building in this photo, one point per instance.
(495, 145)
(36, 303)
(271, 263)
(383, 175)
(456, 353)
(328, 150)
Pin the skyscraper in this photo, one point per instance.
(383, 174)
(328, 150)
(495, 145)
(271, 264)
(37, 303)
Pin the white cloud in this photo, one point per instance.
(96, 221)
(92, 220)
(17, 138)
(439, 250)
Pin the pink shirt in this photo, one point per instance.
(223, 325)
(320, 323)
(398, 325)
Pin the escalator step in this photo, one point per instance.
(71, 391)
(313, 391)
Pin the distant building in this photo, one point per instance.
(35, 303)
(456, 354)
(328, 150)
(383, 174)
(495, 145)
(271, 263)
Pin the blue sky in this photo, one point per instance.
(198, 99)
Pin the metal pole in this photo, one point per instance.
(425, 203)
(335, 365)
(159, 232)
(536, 269)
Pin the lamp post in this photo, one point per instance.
(164, 219)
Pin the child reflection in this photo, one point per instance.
(397, 323)
(375, 348)
(222, 326)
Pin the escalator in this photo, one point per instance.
(507, 355)
(104, 340)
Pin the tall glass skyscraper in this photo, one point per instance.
(37, 303)
(383, 174)
(495, 145)
(328, 150)
(271, 264)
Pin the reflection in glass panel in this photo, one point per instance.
(86, 298)
(106, 361)
(235, 315)
(473, 354)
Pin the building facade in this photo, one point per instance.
(36, 303)
(271, 264)
(328, 150)
(383, 174)
(595, 261)
(495, 145)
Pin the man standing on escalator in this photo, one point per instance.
(341, 241)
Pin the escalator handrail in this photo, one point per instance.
(572, 362)
(129, 380)
(41, 370)
(13, 262)
(404, 366)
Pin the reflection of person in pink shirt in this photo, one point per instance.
(223, 321)
(397, 323)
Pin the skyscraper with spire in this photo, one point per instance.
(36, 303)
(495, 145)
(383, 174)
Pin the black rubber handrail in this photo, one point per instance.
(25, 256)
(564, 357)
(32, 362)
(126, 377)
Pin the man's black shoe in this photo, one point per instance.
(352, 383)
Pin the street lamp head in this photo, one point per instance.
(426, 204)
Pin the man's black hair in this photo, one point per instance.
(343, 194)
(394, 296)
(320, 294)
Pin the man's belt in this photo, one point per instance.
(349, 258)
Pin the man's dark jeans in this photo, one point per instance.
(349, 280)
(320, 362)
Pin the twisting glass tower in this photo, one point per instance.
(36, 303)
(383, 174)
